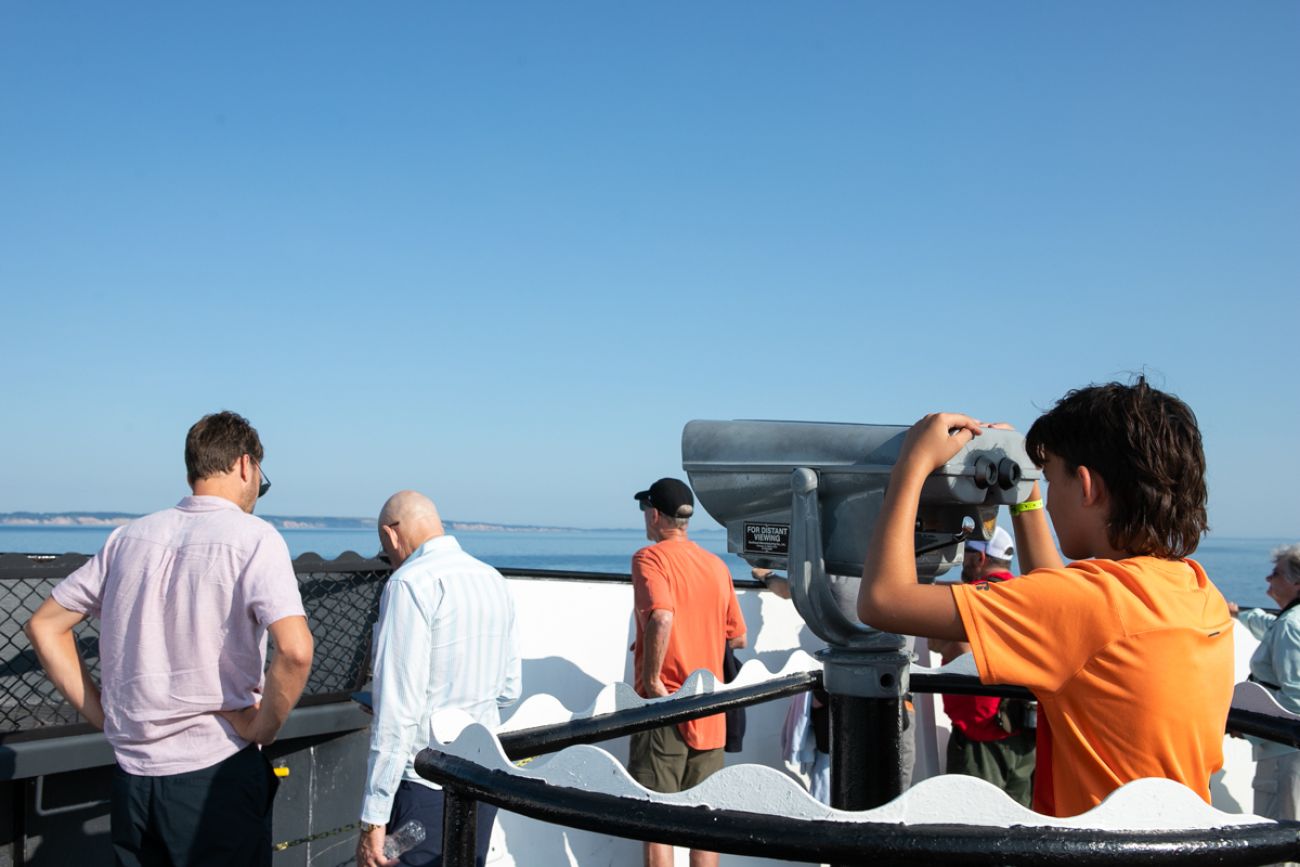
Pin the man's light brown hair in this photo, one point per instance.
(1146, 446)
(216, 441)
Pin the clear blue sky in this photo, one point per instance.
(502, 252)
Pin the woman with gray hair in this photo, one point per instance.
(1276, 666)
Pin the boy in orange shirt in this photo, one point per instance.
(1129, 649)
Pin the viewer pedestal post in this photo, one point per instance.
(866, 692)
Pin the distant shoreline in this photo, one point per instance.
(91, 520)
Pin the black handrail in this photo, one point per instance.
(1260, 725)
(965, 684)
(540, 740)
(21, 567)
(1242, 722)
(782, 837)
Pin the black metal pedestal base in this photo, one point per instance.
(866, 768)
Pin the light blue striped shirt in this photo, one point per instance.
(445, 638)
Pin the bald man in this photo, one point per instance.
(445, 639)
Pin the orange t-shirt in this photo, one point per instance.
(679, 576)
(1131, 663)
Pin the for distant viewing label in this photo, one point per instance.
(767, 538)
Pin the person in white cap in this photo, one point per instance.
(988, 561)
(989, 739)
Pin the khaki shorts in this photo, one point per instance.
(661, 761)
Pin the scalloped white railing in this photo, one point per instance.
(1253, 697)
(1142, 805)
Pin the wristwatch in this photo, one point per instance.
(366, 827)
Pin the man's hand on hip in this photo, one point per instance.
(250, 724)
(285, 680)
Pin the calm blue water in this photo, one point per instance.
(1238, 566)
(581, 550)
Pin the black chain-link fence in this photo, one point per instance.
(28, 700)
(341, 598)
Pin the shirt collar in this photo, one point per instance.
(437, 543)
(205, 503)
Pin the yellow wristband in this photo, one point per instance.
(1029, 506)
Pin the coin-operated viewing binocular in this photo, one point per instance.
(803, 496)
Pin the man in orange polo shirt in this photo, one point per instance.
(1129, 648)
(686, 612)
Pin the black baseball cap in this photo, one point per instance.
(670, 496)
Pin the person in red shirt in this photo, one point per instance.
(988, 739)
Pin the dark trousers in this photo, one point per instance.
(218, 815)
(1007, 764)
(424, 805)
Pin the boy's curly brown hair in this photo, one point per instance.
(1146, 446)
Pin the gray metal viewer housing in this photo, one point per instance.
(771, 482)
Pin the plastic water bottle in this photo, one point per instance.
(404, 839)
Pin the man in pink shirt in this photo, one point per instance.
(185, 599)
